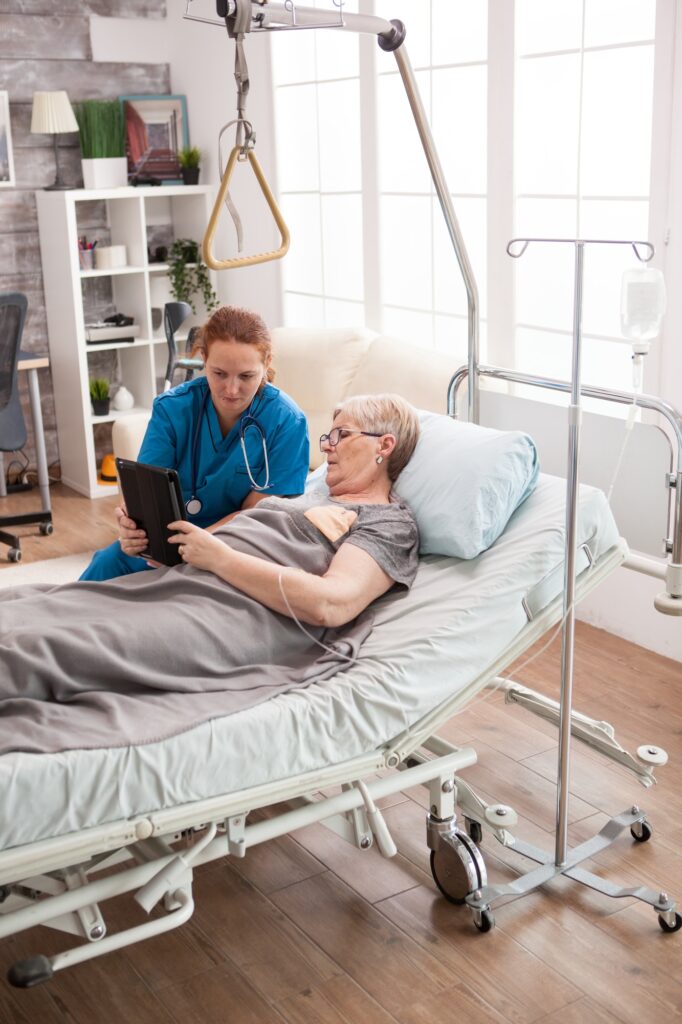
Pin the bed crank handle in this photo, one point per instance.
(377, 824)
(172, 875)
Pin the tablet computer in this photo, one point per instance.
(153, 498)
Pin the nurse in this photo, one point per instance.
(233, 437)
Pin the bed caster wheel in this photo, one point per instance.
(457, 867)
(474, 830)
(14, 555)
(449, 876)
(28, 973)
(47, 529)
(484, 920)
(641, 831)
(670, 927)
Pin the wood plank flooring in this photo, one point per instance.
(308, 929)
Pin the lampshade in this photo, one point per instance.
(52, 113)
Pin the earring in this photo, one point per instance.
(379, 459)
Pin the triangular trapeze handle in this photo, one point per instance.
(243, 261)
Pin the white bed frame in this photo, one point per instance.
(54, 882)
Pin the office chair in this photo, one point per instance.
(174, 315)
(13, 307)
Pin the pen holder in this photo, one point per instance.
(86, 258)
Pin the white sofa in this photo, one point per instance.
(319, 367)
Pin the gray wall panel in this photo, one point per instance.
(45, 44)
(17, 212)
(26, 36)
(35, 168)
(106, 8)
(81, 79)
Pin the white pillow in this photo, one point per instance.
(462, 483)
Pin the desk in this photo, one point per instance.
(30, 364)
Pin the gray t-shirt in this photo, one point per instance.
(388, 533)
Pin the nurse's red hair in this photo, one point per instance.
(230, 323)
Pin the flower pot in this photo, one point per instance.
(105, 172)
(190, 175)
(100, 406)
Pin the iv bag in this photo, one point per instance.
(642, 303)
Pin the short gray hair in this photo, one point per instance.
(386, 414)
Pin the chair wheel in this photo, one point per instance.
(670, 927)
(14, 555)
(47, 529)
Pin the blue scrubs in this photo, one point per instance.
(221, 478)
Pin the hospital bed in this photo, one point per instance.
(372, 730)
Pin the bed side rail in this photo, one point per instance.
(669, 602)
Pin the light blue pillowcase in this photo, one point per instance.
(462, 483)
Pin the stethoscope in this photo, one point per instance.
(194, 505)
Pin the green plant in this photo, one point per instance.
(189, 274)
(99, 389)
(102, 128)
(189, 157)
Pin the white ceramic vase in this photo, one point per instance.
(123, 400)
(105, 172)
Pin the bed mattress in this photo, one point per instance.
(427, 645)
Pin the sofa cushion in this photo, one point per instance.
(315, 366)
(462, 483)
(420, 375)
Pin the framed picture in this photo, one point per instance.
(156, 130)
(7, 179)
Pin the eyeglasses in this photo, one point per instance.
(339, 433)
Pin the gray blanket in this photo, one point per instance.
(146, 656)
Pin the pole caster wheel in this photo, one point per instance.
(670, 927)
(641, 831)
(14, 555)
(47, 529)
(484, 920)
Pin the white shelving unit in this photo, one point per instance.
(134, 215)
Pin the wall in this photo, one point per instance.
(32, 33)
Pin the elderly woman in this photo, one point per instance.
(155, 653)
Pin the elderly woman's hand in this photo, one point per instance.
(132, 541)
(197, 547)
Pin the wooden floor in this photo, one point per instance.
(309, 929)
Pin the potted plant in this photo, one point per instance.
(189, 274)
(102, 137)
(99, 396)
(189, 159)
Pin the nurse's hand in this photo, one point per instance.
(197, 547)
(133, 541)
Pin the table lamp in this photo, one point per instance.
(52, 115)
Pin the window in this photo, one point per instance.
(543, 121)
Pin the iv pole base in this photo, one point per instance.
(634, 819)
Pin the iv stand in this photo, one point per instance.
(565, 861)
(516, 249)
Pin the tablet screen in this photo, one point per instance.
(153, 498)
